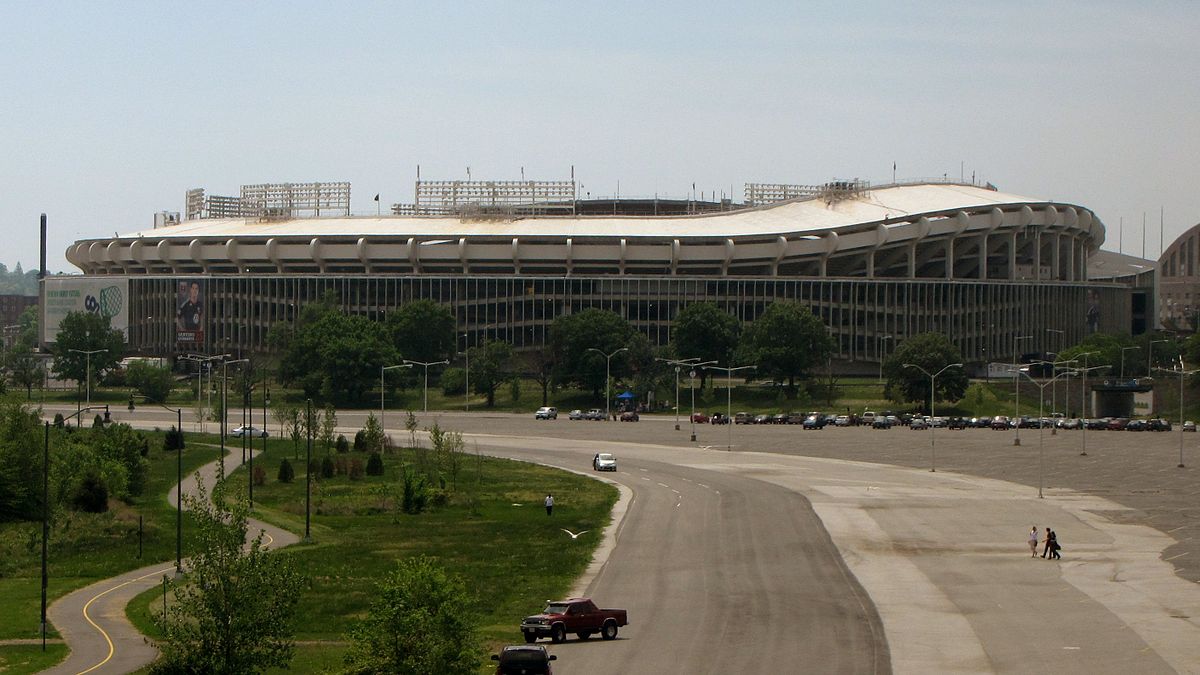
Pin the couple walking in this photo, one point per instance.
(1051, 548)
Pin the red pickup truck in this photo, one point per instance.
(575, 615)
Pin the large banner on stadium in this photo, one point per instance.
(107, 296)
(189, 315)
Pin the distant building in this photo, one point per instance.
(11, 308)
(1179, 283)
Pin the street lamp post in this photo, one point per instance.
(1054, 389)
(729, 398)
(467, 374)
(1083, 405)
(932, 396)
(426, 365)
(1150, 355)
(607, 377)
(1123, 350)
(1017, 386)
(88, 365)
(225, 406)
(879, 351)
(678, 363)
(1041, 399)
(1182, 374)
(692, 386)
(308, 424)
(382, 425)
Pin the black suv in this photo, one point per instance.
(524, 660)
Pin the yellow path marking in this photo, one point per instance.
(111, 649)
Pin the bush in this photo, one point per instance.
(360, 441)
(97, 422)
(286, 473)
(91, 494)
(438, 497)
(356, 469)
(415, 493)
(454, 381)
(327, 467)
(260, 475)
(375, 465)
(153, 382)
(342, 445)
(314, 468)
(340, 466)
(173, 440)
(58, 420)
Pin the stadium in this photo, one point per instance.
(876, 263)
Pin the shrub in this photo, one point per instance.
(454, 381)
(286, 473)
(375, 465)
(314, 468)
(438, 497)
(91, 494)
(415, 493)
(327, 467)
(342, 445)
(360, 442)
(260, 475)
(356, 469)
(58, 420)
(173, 440)
(97, 422)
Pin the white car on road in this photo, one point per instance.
(252, 432)
(546, 413)
(604, 461)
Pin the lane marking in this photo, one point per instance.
(644, 478)
(643, 469)
(1176, 556)
(676, 491)
(664, 485)
(111, 648)
(704, 486)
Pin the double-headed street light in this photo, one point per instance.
(678, 363)
(225, 405)
(382, 425)
(1017, 385)
(178, 483)
(607, 378)
(933, 396)
(729, 397)
(879, 351)
(1182, 374)
(1083, 392)
(426, 365)
(88, 365)
(692, 386)
(1041, 423)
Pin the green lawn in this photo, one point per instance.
(88, 547)
(21, 659)
(511, 556)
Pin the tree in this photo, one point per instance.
(20, 463)
(422, 331)
(372, 434)
(419, 623)
(491, 365)
(574, 336)
(785, 343)
(23, 368)
(539, 366)
(233, 614)
(153, 382)
(703, 331)
(85, 332)
(288, 417)
(933, 352)
(28, 321)
(328, 426)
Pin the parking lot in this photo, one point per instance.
(1136, 469)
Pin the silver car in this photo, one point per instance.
(604, 461)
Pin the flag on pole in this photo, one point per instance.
(377, 196)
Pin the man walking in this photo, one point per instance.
(549, 504)
(1049, 543)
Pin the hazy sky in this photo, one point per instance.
(111, 111)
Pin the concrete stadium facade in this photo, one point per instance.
(876, 264)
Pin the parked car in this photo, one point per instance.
(718, 418)
(798, 418)
(741, 418)
(595, 414)
(629, 416)
(604, 461)
(1097, 424)
(956, 423)
(1000, 423)
(1118, 423)
(881, 423)
(814, 422)
(1137, 425)
(780, 418)
(761, 419)
(576, 615)
(867, 418)
(1189, 425)
(1159, 424)
(251, 431)
(1071, 423)
(524, 660)
(700, 418)
(918, 423)
(842, 421)
(576, 415)
(546, 413)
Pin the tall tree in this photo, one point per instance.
(332, 354)
(539, 365)
(703, 331)
(233, 614)
(573, 337)
(24, 368)
(785, 343)
(491, 365)
(933, 352)
(422, 331)
(420, 623)
(86, 332)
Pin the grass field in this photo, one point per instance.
(509, 553)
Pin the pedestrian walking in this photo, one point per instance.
(1033, 542)
(549, 504)
(1054, 547)
(1048, 543)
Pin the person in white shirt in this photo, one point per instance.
(549, 504)
(1033, 541)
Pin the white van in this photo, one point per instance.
(868, 418)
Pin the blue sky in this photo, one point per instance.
(111, 111)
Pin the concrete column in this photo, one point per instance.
(950, 258)
(1012, 257)
(1057, 265)
(983, 256)
(912, 260)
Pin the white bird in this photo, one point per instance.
(574, 535)
(518, 505)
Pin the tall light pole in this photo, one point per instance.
(932, 396)
(1150, 355)
(1083, 405)
(1123, 350)
(1041, 398)
(678, 363)
(382, 425)
(308, 427)
(879, 351)
(225, 405)
(88, 365)
(467, 374)
(1017, 386)
(1182, 374)
(1054, 389)
(426, 365)
(729, 398)
(607, 377)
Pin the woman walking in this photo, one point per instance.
(1033, 542)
